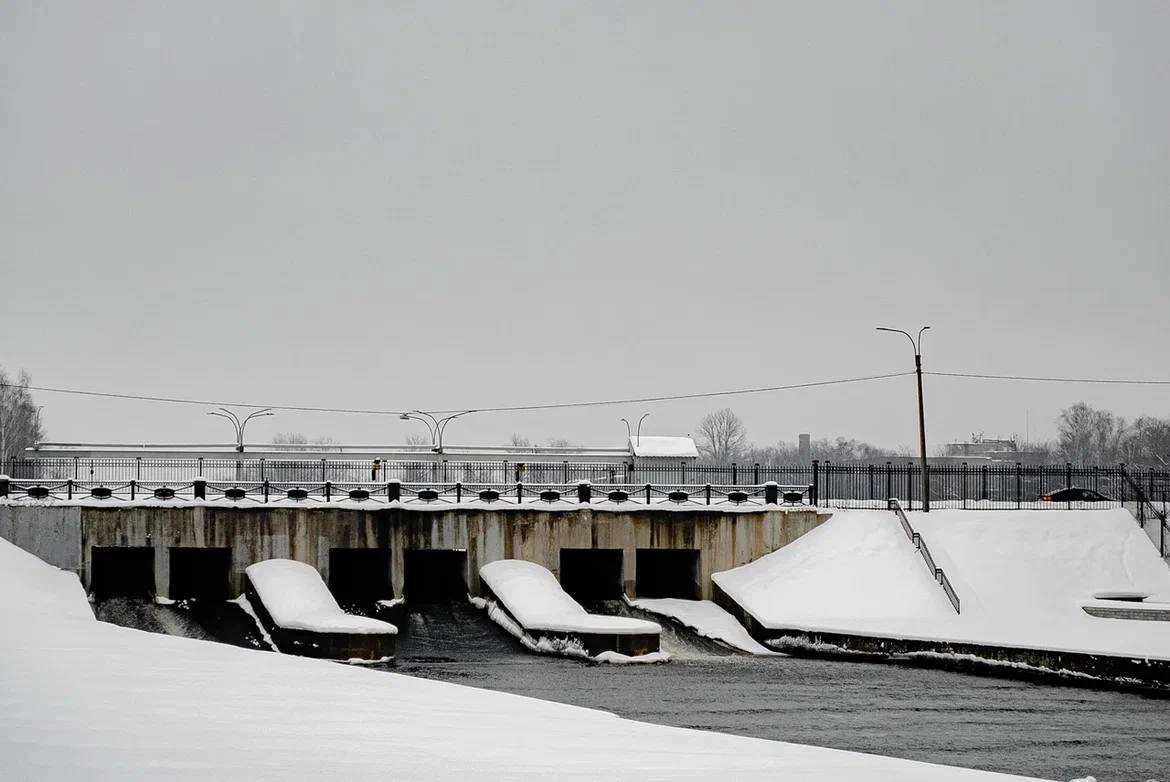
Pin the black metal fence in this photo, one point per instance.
(984, 486)
(393, 491)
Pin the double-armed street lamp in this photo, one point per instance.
(629, 434)
(916, 343)
(239, 424)
(435, 426)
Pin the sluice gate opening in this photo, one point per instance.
(200, 573)
(434, 575)
(121, 570)
(359, 576)
(592, 574)
(668, 573)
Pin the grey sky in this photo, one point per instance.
(445, 205)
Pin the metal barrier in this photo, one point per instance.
(924, 551)
(265, 491)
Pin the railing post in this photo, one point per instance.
(871, 481)
(199, 485)
(682, 467)
(1067, 476)
(323, 478)
(566, 470)
(734, 476)
(200, 466)
(1121, 471)
(265, 486)
(75, 469)
(263, 475)
(910, 486)
(983, 482)
(1019, 485)
(756, 474)
(444, 471)
(889, 480)
(584, 492)
(816, 482)
(771, 493)
(393, 491)
(138, 467)
(964, 485)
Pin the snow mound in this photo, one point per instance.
(534, 596)
(296, 598)
(706, 619)
(1021, 576)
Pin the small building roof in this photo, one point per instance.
(664, 447)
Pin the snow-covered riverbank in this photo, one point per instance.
(79, 698)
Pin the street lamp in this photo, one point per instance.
(916, 343)
(629, 434)
(435, 426)
(239, 424)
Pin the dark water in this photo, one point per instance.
(1044, 730)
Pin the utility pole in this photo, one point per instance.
(916, 343)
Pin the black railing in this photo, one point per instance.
(991, 486)
(549, 494)
(924, 551)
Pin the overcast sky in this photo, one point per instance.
(441, 206)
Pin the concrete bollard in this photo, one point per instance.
(200, 487)
(393, 491)
(4, 486)
(771, 493)
(584, 492)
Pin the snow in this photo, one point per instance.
(83, 699)
(705, 618)
(660, 447)
(297, 599)
(1021, 577)
(534, 596)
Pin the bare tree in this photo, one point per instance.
(722, 436)
(296, 438)
(20, 420)
(1090, 436)
(520, 442)
(416, 438)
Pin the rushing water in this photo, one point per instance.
(1044, 730)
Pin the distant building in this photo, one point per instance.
(987, 449)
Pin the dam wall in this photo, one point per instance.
(387, 542)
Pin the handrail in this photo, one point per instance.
(919, 542)
(1145, 502)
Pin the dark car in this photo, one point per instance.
(1075, 494)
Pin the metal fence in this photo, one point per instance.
(985, 486)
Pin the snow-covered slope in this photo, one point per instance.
(533, 595)
(1021, 577)
(80, 699)
(296, 598)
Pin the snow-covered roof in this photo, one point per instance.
(664, 447)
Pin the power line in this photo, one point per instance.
(1109, 381)
(510, 408)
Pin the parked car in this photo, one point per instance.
(1075, 494)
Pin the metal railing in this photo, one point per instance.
(924, 551)
(993, 486)
(396, 492)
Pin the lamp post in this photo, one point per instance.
(435, 426)
(629, 434)
(916, 343)
(239, 424)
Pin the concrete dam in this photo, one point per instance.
(201, 550)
